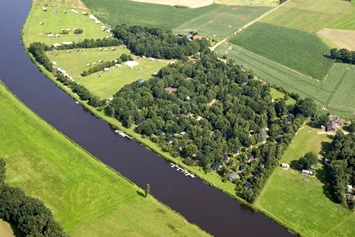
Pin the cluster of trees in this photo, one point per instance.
(38, 50)
(154, 42)
(343, 55)
(307, 161)
(210, 108)
(123, 58)
(30, 215)
(78, 31)
(342, 165)
(91, 43)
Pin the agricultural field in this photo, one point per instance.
(267, 3)
(109, 82)
(54, 22)
(346, 23)
(298, 50)
(290, 199)
(227, 20)
(341, 38)
(62, 3)
(80, 190)
(310, 16)
(114, 12)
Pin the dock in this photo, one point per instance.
(185, 172)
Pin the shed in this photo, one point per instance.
(236, 151)
(233, 176)
(215, 165)
(117, 65)
(56, 45)
(54, 63)
(50, 35)
(170, 139)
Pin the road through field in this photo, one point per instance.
(246, 26)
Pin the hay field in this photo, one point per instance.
(342, 38)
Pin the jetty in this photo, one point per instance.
(185, 172)
(119, 132)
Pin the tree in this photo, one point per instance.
(322, 120)
(351, 127)
(2, 170)
(307, 161)
(306, 107)
(78, 31)
(147, 190)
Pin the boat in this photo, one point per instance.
(76, 102)
(122, 134)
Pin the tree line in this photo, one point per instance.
(201, 110)
(343, 55)
(92, 43)
(342, 165)
(38, 50)
(30, 215)
(99, 67)
(157, 43)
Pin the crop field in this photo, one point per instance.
(346, 23)
(227, 20)
(80, 190)
(267, 3)
(116, 12)
(310, 16)
(301, 51)
(109, 82)
(341, 38)
(305, 205)
(54, 22)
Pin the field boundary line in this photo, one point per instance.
(338, 225)
(337, 86)
(247, 25)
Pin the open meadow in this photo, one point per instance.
(223, 22)
(80, 190)
(279, 95)
(305, 206)
(310, 16)
(54, 22)
(299, 50)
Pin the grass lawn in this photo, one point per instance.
(304, 205)
(54, 22)
(279, 95)
(116, 12)
(227, 20)
(310, 16)
(78, 189)
(301, 51)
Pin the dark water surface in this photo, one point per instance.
(209, 208)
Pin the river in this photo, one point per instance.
(201, 204)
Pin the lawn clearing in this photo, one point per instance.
(279, 95)
(54, 22)
(304, 205)
(223, 22)
(78, 189)
(342, 38)
(301, 51)
(116, 12)
(310, 16)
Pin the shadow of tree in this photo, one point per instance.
(141, 194)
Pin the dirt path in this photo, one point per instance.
(247, 25)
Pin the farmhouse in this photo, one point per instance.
(233, 176)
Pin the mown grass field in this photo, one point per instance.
(54, 22)
(109, 82)
(80, 190)
(346, 23)
(279, 95)
(223, 22)
(301, 51)
(310, 16)
(305, 205)
(116, 12)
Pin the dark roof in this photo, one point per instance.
(255, 172)
(170, 139)
(331, 126)
(225, 157)
(138, 122)
(159, 132)
(233, 176)
(251, 156)
(262, 162)
(248, 185)
(227, 135)
(243, 166)
(237, 149)
(215, 165)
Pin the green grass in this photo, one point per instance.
(115, 12)
(301, 51)
(310, 16)
(79, 189)
(346, 23)
(223, 22)
(305, 205)
(54, 22)
(268, 3)
(279, 95)
(62, 3)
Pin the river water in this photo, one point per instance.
(201, 204)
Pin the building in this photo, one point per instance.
(242, 167)
(248, 185)
(236, 151)
(170, 139)
(197, 37)
(350, 188)
(250, 158)
(307, 172)
(215, 165)
(225, 158)
(140, 80)
(233, 176)
(50, 35)
(160, 132)
(106, 69)
(255, 172)
(285, 166)
(170, 89)
(139, 122)
(183, 133)
(336, 119)
(331, 127)
(67, 43)
(117, 65)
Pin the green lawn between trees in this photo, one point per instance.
(305, 205)
(81, 191)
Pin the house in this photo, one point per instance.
(139, 122)
(350, 188)
(248, 185)
(106, 69)
(160, 132)
(233, 176)
(285, 166)
(307, 172)
(242, 167)
(215, 165)
(170, 139)
(250, 158)
(336, 119)
(236, 151)
(331, 127)
(225, 158)
(197, 37)
(255, 172)
(140, 80)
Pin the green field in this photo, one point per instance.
(305, 205)
(54, 22)
(310, 16)
(301, 51)
(62, 3)
(223, 22)
(279, 95)
(80, 190)
(109, 82)
(346, 23)
(116, 12)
